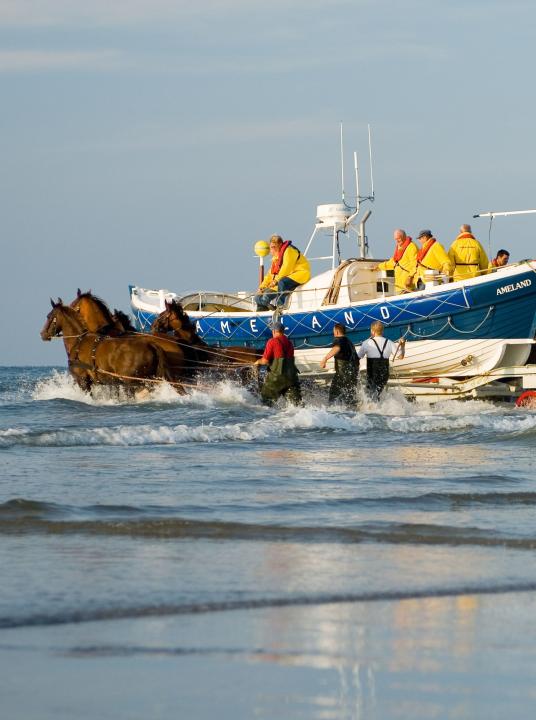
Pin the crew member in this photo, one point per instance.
(467, 255)
(282, 376)
(378, 350)
(431, 256)
(500, 260)
(289, 269)
(344, 382)
(403, 262)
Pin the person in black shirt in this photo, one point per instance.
(344, 383)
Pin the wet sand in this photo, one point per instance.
(465, 656)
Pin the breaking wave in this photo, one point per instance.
(278, 424)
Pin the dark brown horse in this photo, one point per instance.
(222, 360)
(97, 318)
(97, 359)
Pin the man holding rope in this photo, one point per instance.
(282, 377)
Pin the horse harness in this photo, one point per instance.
(77, 363)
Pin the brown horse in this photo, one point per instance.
(97, 318)
(96, 315)
(97, 359)
(174, 319)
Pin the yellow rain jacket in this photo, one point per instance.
(405, 268)
(435, 259)
(468, 257)
(295, 266)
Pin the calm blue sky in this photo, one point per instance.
(153, 141)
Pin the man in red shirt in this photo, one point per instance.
(282, 377)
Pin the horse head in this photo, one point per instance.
(174, 319)
(93, 311)
(60, 319)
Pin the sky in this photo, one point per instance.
(152, 142)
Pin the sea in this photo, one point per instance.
(204, 556)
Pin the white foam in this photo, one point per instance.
(61, 386)
(284, 423)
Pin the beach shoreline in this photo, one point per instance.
(462, 656)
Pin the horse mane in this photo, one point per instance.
(98, 301)
(124, 319)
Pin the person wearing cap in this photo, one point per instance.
(344, 382)
(282, 377)
(500, 260)
(467, 256)
(431, 256)
(289, 269)
(378, 350)
(403, 262)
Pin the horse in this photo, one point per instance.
(96, 315)
(97, 359)
(174, 319)
(97, 318)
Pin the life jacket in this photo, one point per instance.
(422, 253)
(400, 250)
(377, 370)
(278, 261)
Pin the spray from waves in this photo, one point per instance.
(61, 386)
(288, 422)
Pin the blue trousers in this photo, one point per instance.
(266, 298)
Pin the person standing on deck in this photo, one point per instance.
(431, 256)
(282, 377)
(289, 269)
(344, 383)
(467, 256)
(378, 350)
(403, 262)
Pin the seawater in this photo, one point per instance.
(171, 506)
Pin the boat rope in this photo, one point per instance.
(469, 332)
(207, 349)
(174, 383)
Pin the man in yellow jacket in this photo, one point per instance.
(289, 269)
(431, 256)
(403, 262)
(467, 255)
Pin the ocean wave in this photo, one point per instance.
(21, 508)
(17, 518)
(279, 423)
(68, 616)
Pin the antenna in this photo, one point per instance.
(356, 171)
(370, 160)
(342, 167)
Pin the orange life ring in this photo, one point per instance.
(527, 399)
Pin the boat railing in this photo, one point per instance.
(215, 302)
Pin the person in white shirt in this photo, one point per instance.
(378, 350)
